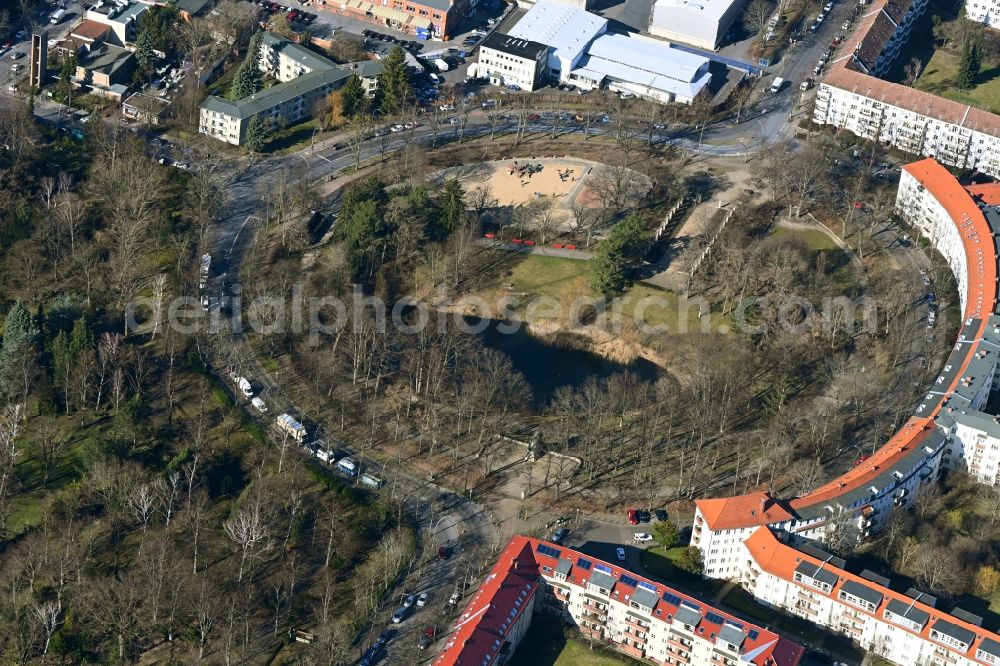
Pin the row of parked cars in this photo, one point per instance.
(411, 46)
(293, 14)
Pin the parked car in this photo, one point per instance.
(453, 599)
(643, 516)
(423, 599)
(620, 554)
(661, 514)
(16, 55)
(642, 537)
(409, 600)
(632, 517)
(559, 534)
(400, 614)
(444, 552)
(427, 637)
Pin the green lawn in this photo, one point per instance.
(546, 644)
(660, 563)
(814, 238)
(939, 78)
(568, 279)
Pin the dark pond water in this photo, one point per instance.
(546, 367)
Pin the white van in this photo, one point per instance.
(259, 405)
(348, 467)
(57, 16)
(777, 84)
(371, 480)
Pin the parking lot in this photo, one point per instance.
(14, 51)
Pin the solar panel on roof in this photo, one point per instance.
(647, 586)
(715, 618)
(602, 568)
(691, 604)
(584, 564)
(628, 580)
(549, 550)
(671, 598)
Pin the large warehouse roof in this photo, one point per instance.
(648, 63)
(710, 9)
(566, 29)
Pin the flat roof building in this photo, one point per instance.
(581, 51)
(701, 23)
(507, 61)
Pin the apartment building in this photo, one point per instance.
(633, 615)
(906, 628)
(986, 12)
(514, 61)
(305, 77)
(948, 428)
(853, 97)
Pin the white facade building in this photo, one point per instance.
(906, 629)
(305, 78)
(507, 60)
(630, 614)
(701, 23)
(583, 53)
(853, 97)
(986, 12)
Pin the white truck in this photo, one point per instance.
(777, 84)
(441, 64)
(243, 384)
(57, 16)
(286, 424)
(259, 405)
(348, 467)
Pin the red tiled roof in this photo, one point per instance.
(868, 34)
(977, 239)
(89, 30)
(478, 627)
(479, 632)
(725, 513)
(988, 193)
(781, 561)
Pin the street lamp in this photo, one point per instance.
(312, 140)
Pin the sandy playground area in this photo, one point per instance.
(518, 181)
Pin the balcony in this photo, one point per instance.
(636, 625)
(678, 657)
(594, 605)
(631, 650)
(677, 645)
(720, 661)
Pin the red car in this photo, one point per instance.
(633, 517)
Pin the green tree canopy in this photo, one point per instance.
(352, 96)
(451, 203)
(616, 255)
(394, 82)
(665, 534)
(256, 136)
(969, 63)
(247, 79)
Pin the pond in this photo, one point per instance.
(546, 367)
